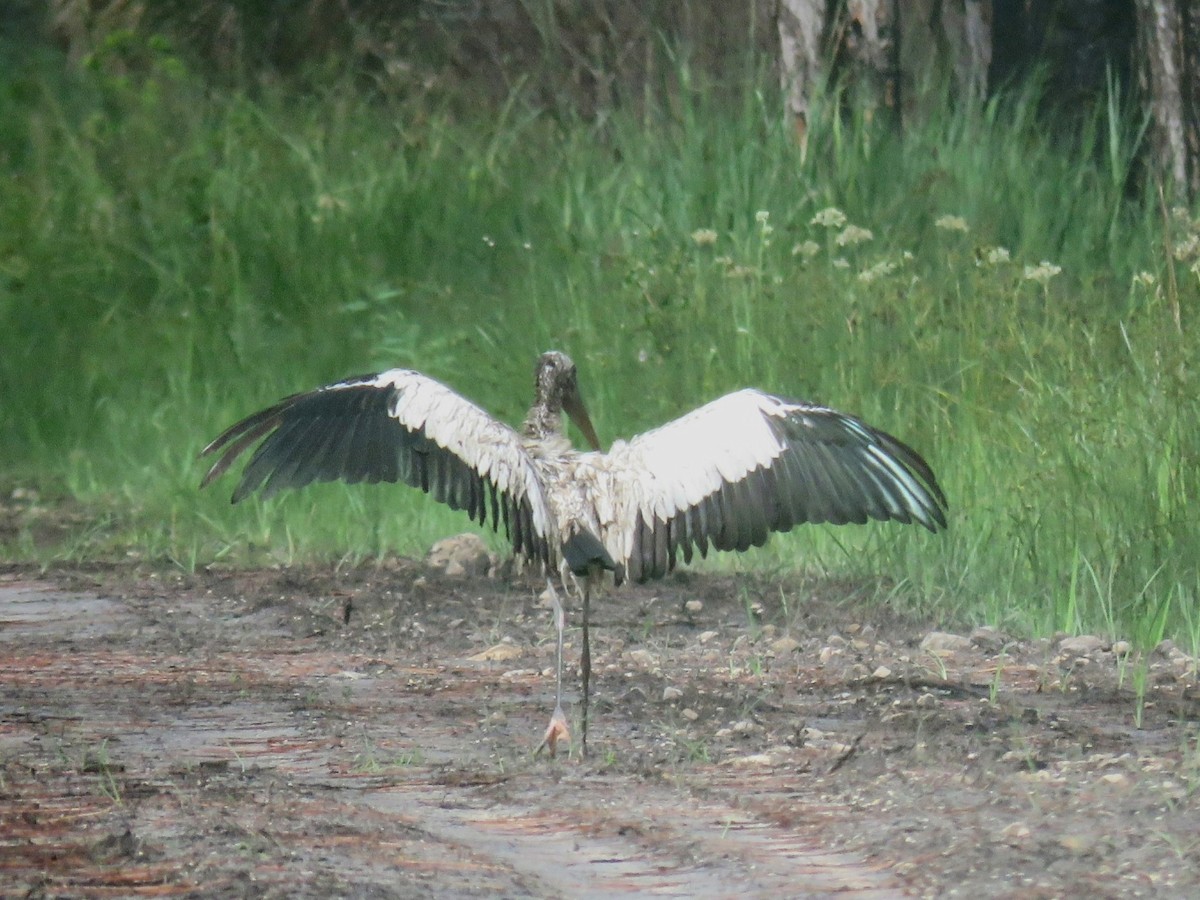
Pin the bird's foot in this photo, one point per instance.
(556, 731)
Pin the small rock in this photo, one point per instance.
(1121, 648)
(459, 556)
(881, 673)
(671, 693)
(785, 645)
(690, 714)
(1015, 833)
(745, 726)
(497, 653)
(706, 636)
(987, 638)
(754, 760)
(519, 674)
(694, 606)
(635, 694)
(768, 632)
(860, 646)
(828, 653)
(1077, 843)
(641, 656)
(1178, 656)
(927, 701)
(1116, 779)
(836, 640)
(857, 672)
(1081, 645)
(937, 642)
(1165, 648)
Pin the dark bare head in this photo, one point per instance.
(556, 389)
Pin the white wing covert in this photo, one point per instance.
(395, 426)
(748, 464)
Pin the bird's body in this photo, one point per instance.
(725, 475)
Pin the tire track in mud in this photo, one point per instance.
(225, 754)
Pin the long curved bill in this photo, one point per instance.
(574, 408)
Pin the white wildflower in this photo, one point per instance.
(951, 223)
(852, 235)
(841, 263)
(761, 216)
(808, 249)
(830, 217)
(1188, 248)
(704, 237)
(330, 202)
(487, 239)
(1042, 272)
(881, 268)
(1145, 279)
(992, 256)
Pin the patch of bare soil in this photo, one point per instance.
(368, 733)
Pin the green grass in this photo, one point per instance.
(173, 258)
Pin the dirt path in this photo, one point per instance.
(368, 734)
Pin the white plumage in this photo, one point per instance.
(726, 475)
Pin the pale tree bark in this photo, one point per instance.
(1161, 40)
(801, 39)
(872, 37)
(1190, 90)
(820, 38)
(886, 51)
(967, 27)
(946, 53)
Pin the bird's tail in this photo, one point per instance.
(583, 550)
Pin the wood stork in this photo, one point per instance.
(725, 475)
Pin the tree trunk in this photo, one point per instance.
(1169, 38)
(887, 52)
(870, 40)
(1190, 90)
(945, 54)
(967, 26)
(801, 26)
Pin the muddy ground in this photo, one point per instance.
(368, 733)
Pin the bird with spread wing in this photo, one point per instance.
(723, 476)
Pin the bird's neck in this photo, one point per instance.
(543, 429)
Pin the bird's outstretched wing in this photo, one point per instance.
(747, 464)
(398, 425)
